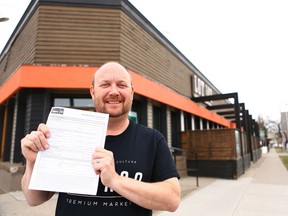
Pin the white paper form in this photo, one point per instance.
(66, 166)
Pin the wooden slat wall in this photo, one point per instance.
(22, 51)
(211, 144)
(144, 54)
(77, 35)
(36, 109)
(80, 35)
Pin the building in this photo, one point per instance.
(56, 47)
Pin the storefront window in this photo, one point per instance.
(83, 102)
(62, 102)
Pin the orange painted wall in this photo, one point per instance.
(76, 77)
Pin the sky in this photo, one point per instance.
(240, 46)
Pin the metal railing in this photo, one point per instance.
(177, 152)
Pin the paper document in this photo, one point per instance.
(66, 166)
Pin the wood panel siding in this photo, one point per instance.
(215, 144)
(21, 51)
(36, 109)
(141, 52)
(77, 35)
(92, 35)
(80, 35)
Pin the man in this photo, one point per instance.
(136, 169)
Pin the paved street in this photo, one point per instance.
(262, 190)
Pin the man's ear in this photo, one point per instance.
(92, 91)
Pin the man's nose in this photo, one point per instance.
(114, 90)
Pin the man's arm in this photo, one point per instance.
(30, 145)
(163, 195)
(33, 197)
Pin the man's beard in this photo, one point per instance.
(113, 114)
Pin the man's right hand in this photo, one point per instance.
(34, 142)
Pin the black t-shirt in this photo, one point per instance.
(140, 153)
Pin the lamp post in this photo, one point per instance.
(4, 19)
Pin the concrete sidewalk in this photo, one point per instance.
(262, 190)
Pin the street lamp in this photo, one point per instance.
(4, 19)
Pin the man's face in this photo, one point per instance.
(112, 92)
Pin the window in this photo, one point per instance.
(80, 103)
(83, 102)
(159, 120)
(63, 102)
(175, 128)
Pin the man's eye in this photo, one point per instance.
(105, 85)
(122, 86)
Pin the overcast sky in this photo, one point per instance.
(240, 46)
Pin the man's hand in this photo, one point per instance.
(30, 145)
(34, 142)
(104, 165)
